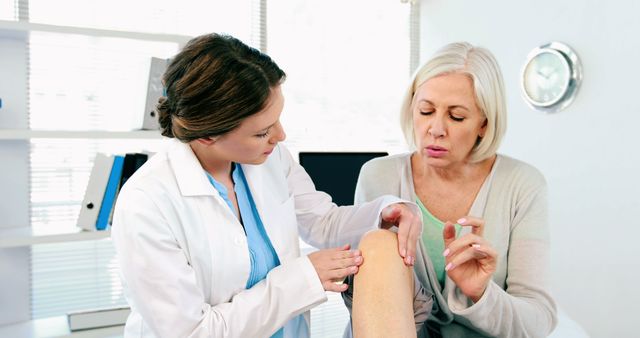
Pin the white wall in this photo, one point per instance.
(588, 153)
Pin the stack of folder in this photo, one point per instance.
(109, 174)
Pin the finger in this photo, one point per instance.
(331, 286)
(349, 261)
(462, 257)
(414, 233)
(476, 224)
(448, 234)
(341, 254)
(463, 243)
(403, 235)
(390, 213)
(340, 274)
(487, 250)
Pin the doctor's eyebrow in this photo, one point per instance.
(267, 128)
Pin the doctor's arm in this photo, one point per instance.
(163, 287)
(323, 224)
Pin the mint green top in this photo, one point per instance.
(432, 239)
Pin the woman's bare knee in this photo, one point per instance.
(383, 290)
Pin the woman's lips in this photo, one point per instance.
(436, 151)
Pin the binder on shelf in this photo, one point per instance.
(110, 193)
(131, 163)
(93, 319)
(155, 89)
(94, 194)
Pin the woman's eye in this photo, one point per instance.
(263, 135)
(428, 112)
(456, 118)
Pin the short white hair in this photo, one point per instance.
(481, 66)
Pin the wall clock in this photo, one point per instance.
(551, 77)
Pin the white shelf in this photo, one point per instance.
(56, 327)
(27, 236)
(21, 28)
(24, 134)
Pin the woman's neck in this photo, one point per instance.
(219, 168)
(461, 173)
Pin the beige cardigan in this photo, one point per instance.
(513, 203)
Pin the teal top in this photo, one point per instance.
(433, 242)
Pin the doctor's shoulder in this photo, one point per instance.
(154, 178)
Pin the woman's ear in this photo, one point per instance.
(207, 141)
(483, 129)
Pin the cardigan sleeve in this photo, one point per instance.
(524, 308)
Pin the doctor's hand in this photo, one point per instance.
(334, 265)
(409, 229)
(471, 261)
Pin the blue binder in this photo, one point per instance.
(110, 193)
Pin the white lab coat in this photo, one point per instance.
(184, 258)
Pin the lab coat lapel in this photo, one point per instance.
(278, 218)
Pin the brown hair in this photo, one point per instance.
(214, 83)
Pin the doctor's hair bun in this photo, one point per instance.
(212, 85)
(164, 117)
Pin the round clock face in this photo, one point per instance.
(546, 78)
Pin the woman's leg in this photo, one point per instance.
(382, 290)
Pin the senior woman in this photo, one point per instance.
(484, 252)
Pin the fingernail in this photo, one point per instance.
(448, 267)
(462, 221)
(353, 269)
(358, 259)
(446, 252)
(475, 246)
(413, 260)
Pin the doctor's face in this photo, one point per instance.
(256, 136)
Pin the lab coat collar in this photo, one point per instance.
(191, 177)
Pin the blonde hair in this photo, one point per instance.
(481, 66)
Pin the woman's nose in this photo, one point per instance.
(437, 128)
(279, 135)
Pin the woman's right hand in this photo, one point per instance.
(333, 265)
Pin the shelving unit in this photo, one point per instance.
(25, 134)
(56, 327)
(20, 29)
(26, 236)
(20, 241)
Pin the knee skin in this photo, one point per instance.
(382, 290)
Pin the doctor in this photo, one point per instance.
(206, 233)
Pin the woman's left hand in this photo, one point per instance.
(471, 261)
